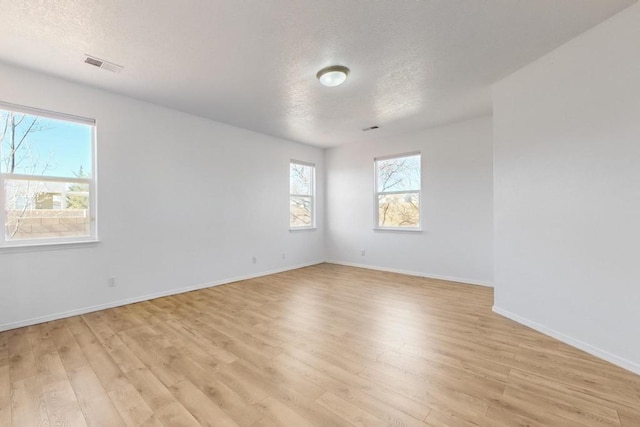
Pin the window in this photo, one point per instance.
(47, 177)
(301, 195)
(397, 195)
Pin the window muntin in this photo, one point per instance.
(397, 192)
(301, 195)
(47, 177)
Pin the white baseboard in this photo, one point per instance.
(605, 355)
(415, 273)
(118, 303)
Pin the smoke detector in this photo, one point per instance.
(101, 63)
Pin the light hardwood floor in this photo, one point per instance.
(323, 346)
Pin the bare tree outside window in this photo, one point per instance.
(398, 192)
(301, 195)
(45, 174)
(18, 155)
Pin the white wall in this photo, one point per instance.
(456, 198)
(183, 202)
(567, 192)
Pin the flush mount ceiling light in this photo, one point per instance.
(333, 76)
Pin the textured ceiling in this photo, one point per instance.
(249, 63)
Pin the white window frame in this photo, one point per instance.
(312, 225)
(92, 182)
(376, 194)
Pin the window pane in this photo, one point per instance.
(398, 174)
(299, 211)
(36, 145)
(46, 209)
(301, 179)
(399, 210)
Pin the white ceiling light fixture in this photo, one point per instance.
(332, 76)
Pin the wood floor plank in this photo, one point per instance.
(577, 396)
(475, 382)
(285, 393)
(22, 363)
(120, 319)
(122, 356)
(519, 412)
(279, 414)
(438, 419)
(173, 415)
(4, 357)
(5, 396)
(62, 405)
(109, 373)
(324, 345)
(227, 399)
(246, 390)
(27, 403)
(192, 334)
(200, 406)
(22, 366)
(68, 349)
(386, 410)
(451, 399)
(349, 412)
(94, 402)
(277, 374)
(40, 338)
(148, 346)
(50, 368)
(167, 376)
(566, 408)
(152, 390)
(131, 406)
(187, 347)
(629, 417)
(356, 389)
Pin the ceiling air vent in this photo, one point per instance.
(105, 65)
(370, 128)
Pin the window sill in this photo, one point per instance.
(36, 247)
(303, 229)
(396, 229)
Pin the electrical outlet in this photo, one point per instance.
(111, 282)
(363, 252)
(284, 256)
(254, 259)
